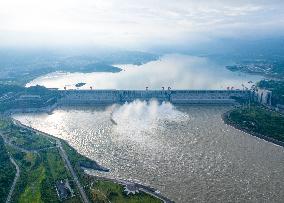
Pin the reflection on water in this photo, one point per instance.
(176, 71)
(187, 153)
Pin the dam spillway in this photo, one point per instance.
(182, 97)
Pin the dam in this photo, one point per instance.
(181, 97)
(38, 102)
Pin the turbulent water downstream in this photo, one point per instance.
(187, 153)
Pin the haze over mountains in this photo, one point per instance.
(91, 36)
(167, 98)
(142, 25)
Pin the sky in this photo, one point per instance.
(136, 24)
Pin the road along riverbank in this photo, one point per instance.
(146, 189)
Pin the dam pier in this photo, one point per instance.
(179, 97)
(38, 102)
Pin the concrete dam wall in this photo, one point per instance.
(91, 97)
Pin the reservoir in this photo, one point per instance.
(174, 70)
(186, 152)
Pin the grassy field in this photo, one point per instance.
(259, 120)
(7, 172)
(106, 191)
(39, 171)
(32, 191)
(24, 138)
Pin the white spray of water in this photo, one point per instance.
(140, 117)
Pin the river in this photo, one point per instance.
(186, 152)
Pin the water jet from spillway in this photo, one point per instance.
(140, 116)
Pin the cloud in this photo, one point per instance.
(135, 23)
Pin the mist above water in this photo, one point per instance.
(142, 116)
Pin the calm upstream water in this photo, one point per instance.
(176, 71)
(187, 153)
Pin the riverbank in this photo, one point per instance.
(47, 109)
(131, 186)
(40, 163)
(258, 122)
(76, 161)
(7, 171)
